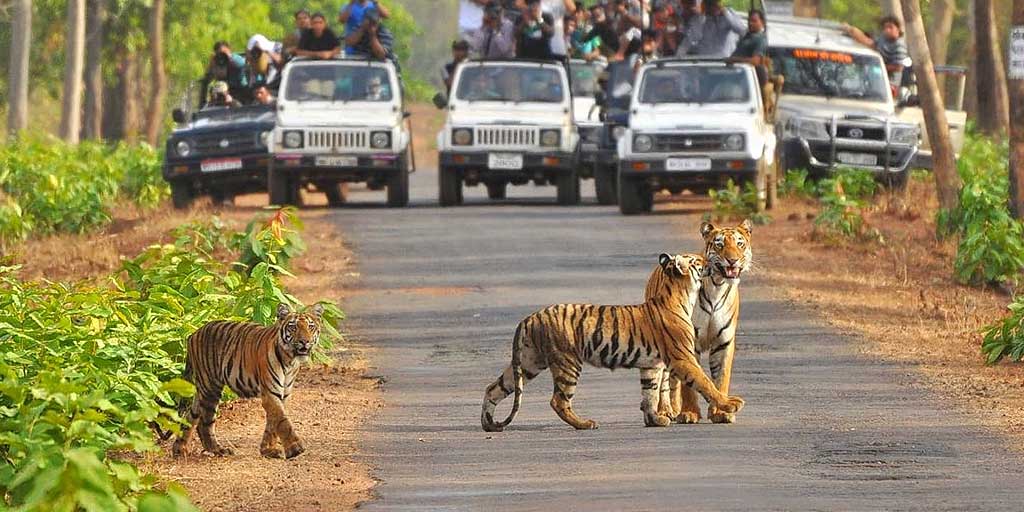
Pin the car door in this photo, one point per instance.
(955, 77)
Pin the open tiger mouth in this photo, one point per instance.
(732, 272)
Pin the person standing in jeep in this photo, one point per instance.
(319, 42)
(889, 44)
(534, 33)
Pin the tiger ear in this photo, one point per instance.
(283, 310)
(317, 310)
(706, 228)
(664, 259)
(747, 226)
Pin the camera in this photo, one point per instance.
(220, 59)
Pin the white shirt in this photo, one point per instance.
(471, 16)
(556, 8)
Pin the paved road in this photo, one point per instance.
(824, 428)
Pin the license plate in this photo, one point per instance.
(857, 158)
(337, 161)
(504, 161)
(221, 164)
(688, 164)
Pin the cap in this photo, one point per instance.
(259, 41)
(219, 87)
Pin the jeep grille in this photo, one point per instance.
(506, 137)
(225, 144)
(337, 139)
(860, 131)
(683, 143)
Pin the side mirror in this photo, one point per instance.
(440, 101)
(406, 114)
(600, 98)
(910, 101)
(179, 116)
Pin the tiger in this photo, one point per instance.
(647, 336)
(252, 360)
(728, 253)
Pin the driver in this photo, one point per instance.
(482, 87)
(665, 91)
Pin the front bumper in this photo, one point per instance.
(824, 155)
(722, 170)
(362, 167)
(238, 171)
(553, 162)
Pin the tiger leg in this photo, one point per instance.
(277, 420)
(664, 394)
(650, 389)
(684, 402)
(566, 375)
(687, 368)
(721, 371)
(268, 445)
(191, 417)
(208, 403)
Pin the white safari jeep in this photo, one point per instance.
(509, 121)
(340, 121)
(694, 124)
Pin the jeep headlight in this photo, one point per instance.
(265, 138)
(643, 143)
(807, 129)
(618, 132)
(905, 135)
(293, 139)
(183, 148)
(462, 137)
(734, 142)
(550, 138)
(380, 140)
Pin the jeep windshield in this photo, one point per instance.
(321, 82)
(213, 116)
(696, 84)
(831, 74)
(584, 79)
(511, 83)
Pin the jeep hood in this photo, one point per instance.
(479, 114)
(821, 108)
(337, 114)
(695, 118)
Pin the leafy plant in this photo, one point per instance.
(274, 241)
(734, 202)
(797, 183)
(1005, 338)
(841, 215)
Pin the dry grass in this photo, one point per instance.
(901, 297)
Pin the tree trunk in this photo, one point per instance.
(71, 110)
(92, 122)
(1016, 86)
(892, 8)
(938, 35)
(993, 99)
(807, 8)
(947, 181)
(155, 113)
(120, 116)
(17, 78)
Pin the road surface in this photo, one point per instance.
(824, 428)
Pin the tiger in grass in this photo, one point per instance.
(715, 320)
(648, 336)
(252, 360)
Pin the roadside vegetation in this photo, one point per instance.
(89, 369)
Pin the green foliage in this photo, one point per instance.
(797, 183)
(47, 186)
(85, 370)
(274, 241)
(732, 202)
(843, 197)
(1005, 338)
(991, 247)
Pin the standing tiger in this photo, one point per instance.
(648, 336)
(252, 360)
(715, 320)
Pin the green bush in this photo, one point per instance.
(991, 246)
(85, 370)
(732, 202)
(843, 197)
(1005, 338)
(274, 241)
(797, 183)
(47, 186)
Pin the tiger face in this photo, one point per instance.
(688, 269)
(299, 332)
(727, 249)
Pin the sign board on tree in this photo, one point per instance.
(1016, 53)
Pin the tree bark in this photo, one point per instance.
(1016, 86)
(993, 99)
(92, 122)
(947, 181)
(71, 109)
(892, 8)
(120, 114)
(154, 115)
(17, 77)
(807, 8)
(938, 35)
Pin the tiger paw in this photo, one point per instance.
(722, 417)
(731, 405)
(271, 453)
(657, 420)
(178, 449)
(688, 417)
(294, 450)
(587, 425)
(220, 451)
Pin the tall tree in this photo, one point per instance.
(17, 77)
(993, 99)
(154, 114)
(947, 181)
(71, 110)
(1016, 86)
(95, 18)
(938, 34)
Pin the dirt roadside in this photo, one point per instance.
(900, 298)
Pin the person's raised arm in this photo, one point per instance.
(354, 38)
(570, 6)
(858, 35)
(735, 23)
(383, 11)
(376, 48)
(346, 12)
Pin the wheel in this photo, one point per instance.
(222, 198)
(897, 181)
(497, 190)
(634, 196)
(450, 187)
(182, 194)
(398, 186)
(568, 184)
(283, 189)
(337, 193)
(605, 184)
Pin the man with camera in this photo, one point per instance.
(227, 67)
(720, 30)
(352, 17)
(495, 39)
(535, 31)
(264, 60)
(319, 42)
(220, 97)
(372, 40)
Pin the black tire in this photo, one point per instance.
(568, 185)
(634, 196)
(497, 190)
(219, 197)
(283, 189)
(605, 184)
(897, 182)
(449, 187)
(182, 194)
(398, 186)
(337, 193)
